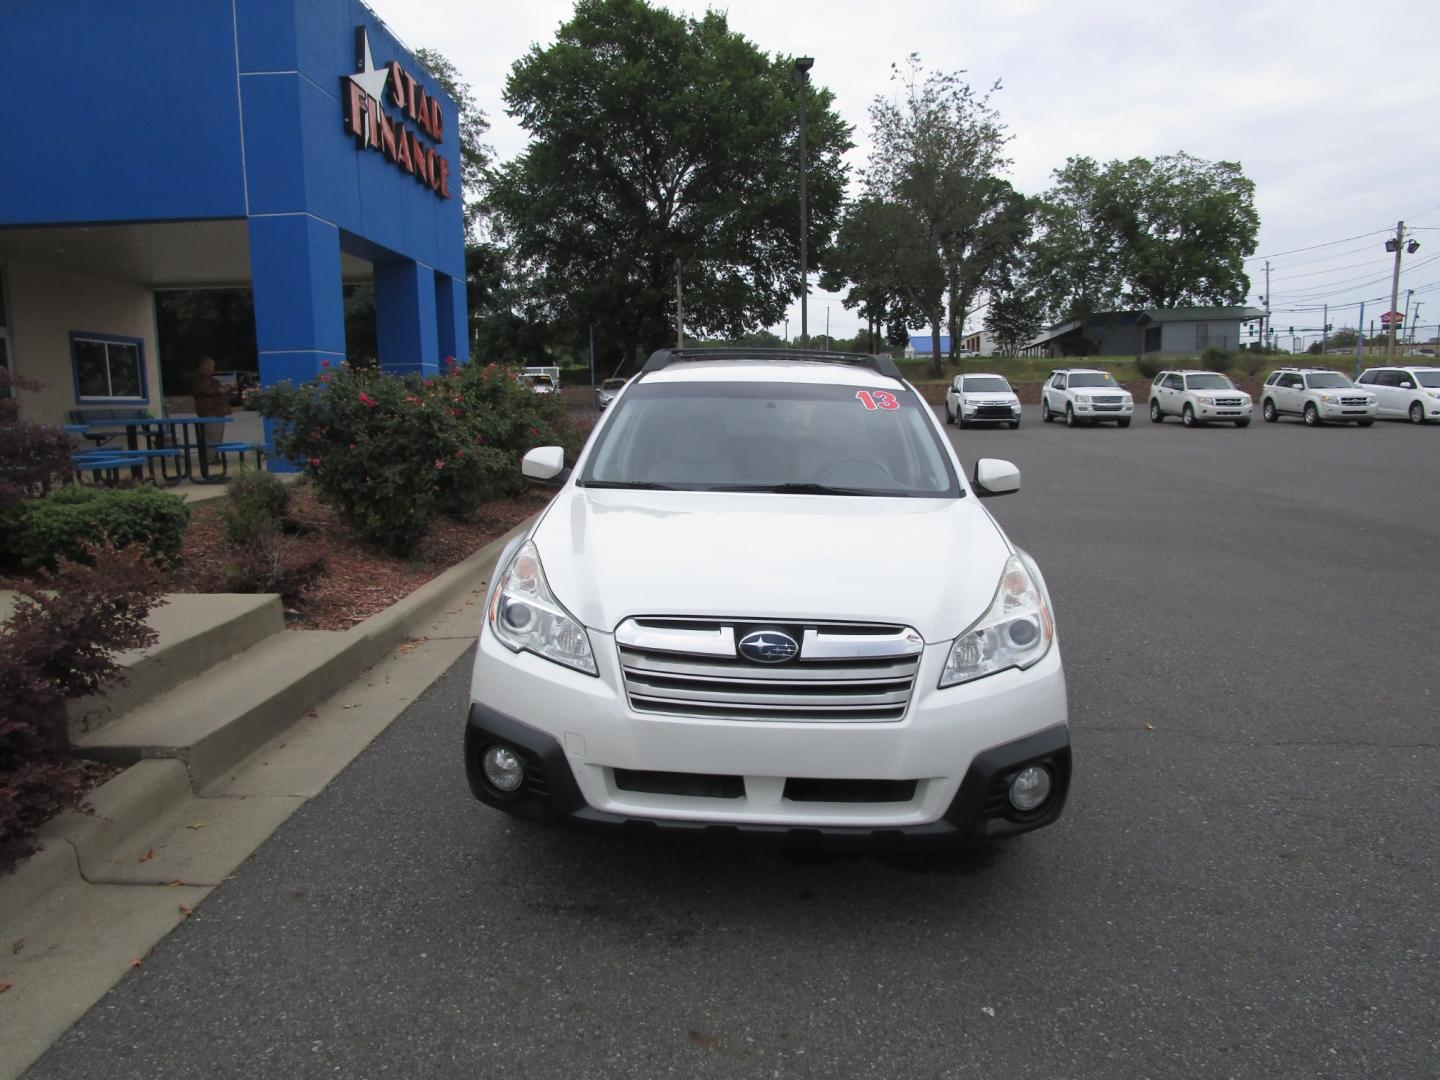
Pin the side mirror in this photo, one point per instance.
(544, 463)
(996, 477)
(1407, 385)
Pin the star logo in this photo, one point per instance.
(368, 77)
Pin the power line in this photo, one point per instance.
(1316, 247)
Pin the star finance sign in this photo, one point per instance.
(363, 96)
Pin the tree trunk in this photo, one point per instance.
(937, 365)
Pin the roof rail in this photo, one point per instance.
(882, 365)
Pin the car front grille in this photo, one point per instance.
(1107, 399)
(998, 412)
(1229, 402)
(844, 671)
(1354, 401)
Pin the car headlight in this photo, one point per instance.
(1435, 393)
(1207, 401)
(1016, 631)
(1330, 399)
(526, 616)
(1082, 399)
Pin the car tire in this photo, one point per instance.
(1070, 420)
(1014, 424)
(949, 416)
(1123, 422)
(1268, 413)
(1242, 423)
(1156, 416)
(1417, 413)
(1187, 416)
(1363, 423)
(960, 422)
(1312, 415)
(1045, 417)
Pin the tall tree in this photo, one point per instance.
(1016, 313)
(475, 153)
(661, 141)
(937, 149)
(1172, 232)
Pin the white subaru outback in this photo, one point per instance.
(710, 628)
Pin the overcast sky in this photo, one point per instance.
(1335, 121)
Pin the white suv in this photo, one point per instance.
(703, 632)
(1198, 397)
(1317, 396)
(1410, 392)
(1085, 395)
(981, 399)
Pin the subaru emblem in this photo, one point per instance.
(768, 647)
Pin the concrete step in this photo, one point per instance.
(211, 723)
(197, 632)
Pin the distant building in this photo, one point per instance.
(1151, 330)
(981, 343)
(921, 345)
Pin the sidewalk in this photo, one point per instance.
(75, 917)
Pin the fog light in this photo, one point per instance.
(1030, 788)
(505, 772)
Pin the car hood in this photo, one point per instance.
(932, 564)
(1002, 396)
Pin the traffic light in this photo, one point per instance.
(1292, 329)
(1329, 327)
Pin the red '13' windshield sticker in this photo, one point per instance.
(877, 399)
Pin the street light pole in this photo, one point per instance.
(803, 64)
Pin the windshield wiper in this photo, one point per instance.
(805, 489)
(645, 485)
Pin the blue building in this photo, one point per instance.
(289, 146)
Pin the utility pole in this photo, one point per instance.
(679, 309)
(1405, 326)
(1360, 340)
(1395, 288)
(1324, 327)
(827, 327)
(1416, 323)
(803, 64)
(1265, 322)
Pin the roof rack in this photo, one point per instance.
(883, 365)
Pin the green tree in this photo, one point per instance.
(1015, 315)
(475, 153)
(937, 149)
(660, 140)
(1172, 232)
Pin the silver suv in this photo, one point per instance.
(1085, 395)
(1317, 396)
(1198, 397)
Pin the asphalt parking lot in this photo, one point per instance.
(1244, 884)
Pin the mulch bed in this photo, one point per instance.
(358, 581)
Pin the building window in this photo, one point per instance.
(1202, 335)
(108, 368)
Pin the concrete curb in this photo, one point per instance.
(132, 800)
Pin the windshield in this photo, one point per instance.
(792, 438)
(986, 384)
(1327, 380)
(1428, 378)
(1208, 381)
(612, 384)
(537, 380)
(1092, 378)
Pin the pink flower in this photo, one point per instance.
(459, 453)
(324, 378)
(324, 363)
(439, 463)
(366, 399)
(315, 461)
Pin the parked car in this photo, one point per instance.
(1317, 396)
(538, 384)
(1085, 395)
(693, 637)
(608, 391)
(1405, 392)
(981, 399)
(1198, 397)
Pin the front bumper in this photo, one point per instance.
(583, 747)
(990, 412)
(1348, 412)
(1224, 412)
(1105, 412)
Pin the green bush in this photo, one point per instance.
(255, 504)
(1217, 359)
(269, 562)
(1149, 366)
(71, 519)
(392, 452)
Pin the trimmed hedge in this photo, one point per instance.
(70, 520)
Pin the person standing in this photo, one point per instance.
(211, 399)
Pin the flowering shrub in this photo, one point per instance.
(391, 452)
(60, 644)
